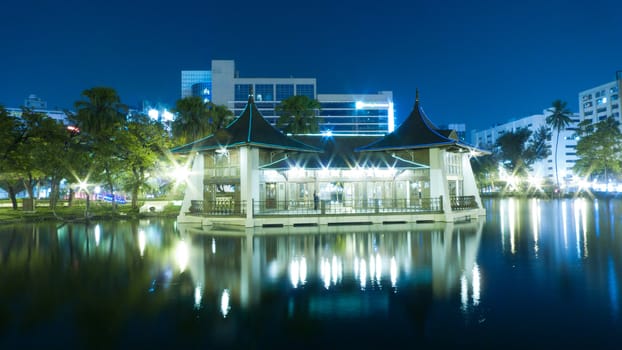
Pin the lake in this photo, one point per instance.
(533, 273)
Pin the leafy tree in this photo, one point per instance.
(142, 144)
(192, 121)
(599, 148)
(518, 150)
(12, 134)
(297, 115)
(197, 119)
(558, 120)
(485, 169)
(100, 117)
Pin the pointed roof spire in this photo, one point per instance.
(251, 95)
(416, 95)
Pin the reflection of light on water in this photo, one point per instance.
(577, 229)
(378, 268)
(535, 223)
(298, 271)
(97, 235)
(335, 270)
(363, 273)
(197, 297)
(613, 288)
(502, 220)
(325, 271)
(464, 292)
(564, 226)
(512, 223)
(294, 272)
(213, 246)
(476, 284)
(393, 272)
(142, 242)
(181, 255)
(224, 303)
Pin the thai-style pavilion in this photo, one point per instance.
(251, 174)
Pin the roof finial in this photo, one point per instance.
(251, 95)
(416, 96)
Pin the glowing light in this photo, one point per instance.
(361, 105)
(153, 114)
(393, 269)
(391, 118)
(97, 189)
(363, 273)
(213, 246)
(294, 273)
(512, 224)
(476, 284)
(325, 271)
(327, 133)
(167, 116)
(464, 292)
(142, 242)
(224, 303)
(197, 297)
(335, 270)
(182, 255)
(97, 235)
(180, 173)
(303, 270)
(535, 221)
(296, 171)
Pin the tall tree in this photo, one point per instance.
(192, 121)
(297, 115)
(558, 120)
(219, 117)
(100, 116)
(599, 149)
(143, 143)
(12, 134)
(518, 150)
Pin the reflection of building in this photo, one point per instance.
(251, 174)
(364, 266)
(339, 113)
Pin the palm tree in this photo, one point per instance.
(100, 111)
(297, 115)
(192, 121)
(558, 120)
(219, 117)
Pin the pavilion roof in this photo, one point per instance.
(249, 129)
(416, 132)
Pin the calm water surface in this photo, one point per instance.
(532, 273)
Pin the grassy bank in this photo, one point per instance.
(77, 212)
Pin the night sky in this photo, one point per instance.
(474, 62)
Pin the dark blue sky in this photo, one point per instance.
(477, 62)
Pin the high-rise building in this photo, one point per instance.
(600, 102)
(196, 83)
(339, 113)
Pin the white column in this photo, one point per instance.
(438, 178)
(249, 180)
(194, 187)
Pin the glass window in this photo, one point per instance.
(242, 91)
(305, 90)
(284, 91)
(264, 92)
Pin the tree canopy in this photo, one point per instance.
(297, 115)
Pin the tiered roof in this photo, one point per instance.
(249, 129)
(417, 131)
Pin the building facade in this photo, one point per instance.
(251, 174)
(600, 102)
(371, 114)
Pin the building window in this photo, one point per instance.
(305, 90)
(588, 113)
(615, 97)
(264, 92)
(284, 91)
(601, 101)
(242, 91)
(586, 97)
(587, 105)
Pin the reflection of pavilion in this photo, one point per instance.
(358, 272)
(251, 174)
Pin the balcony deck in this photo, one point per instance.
(309, 213)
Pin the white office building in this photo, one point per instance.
(600, 102)
(543, 169)
(339, 114)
